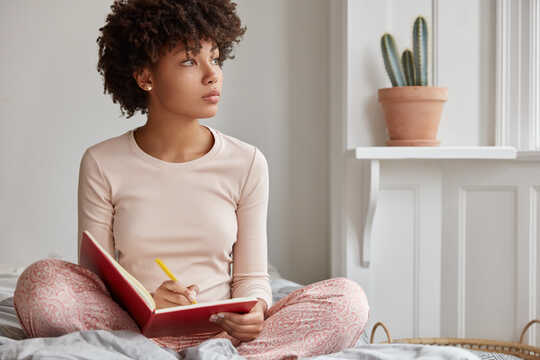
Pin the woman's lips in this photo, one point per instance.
(212, 99)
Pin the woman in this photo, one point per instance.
(183, 192)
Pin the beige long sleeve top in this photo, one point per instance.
(198, 216)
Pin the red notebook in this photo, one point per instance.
(129, 293)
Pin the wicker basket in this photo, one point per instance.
(518, 349)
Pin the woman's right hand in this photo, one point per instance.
(173, 293)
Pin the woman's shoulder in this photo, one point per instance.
(111, 146)
(236, 146)
(111, 149)
(253, 162)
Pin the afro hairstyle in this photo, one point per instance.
(137, 32)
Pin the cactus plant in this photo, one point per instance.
(391, 60)
(412, 70)
(408, 66)
(420, 35)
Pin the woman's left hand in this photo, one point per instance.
(244, 327)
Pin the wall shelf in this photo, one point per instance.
(437, 152)
(376, 153)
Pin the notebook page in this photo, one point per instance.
(204, 304)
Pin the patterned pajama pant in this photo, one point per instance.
(54, 297)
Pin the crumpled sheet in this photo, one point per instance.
(221, 349)
(87, 345)
(401, 351)
(110, 345)
(123, 344)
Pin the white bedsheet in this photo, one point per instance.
(68, 345)
(7, 285)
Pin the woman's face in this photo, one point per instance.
(180, 81)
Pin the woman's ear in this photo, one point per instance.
(143, 78)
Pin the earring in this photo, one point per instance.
(146, 87)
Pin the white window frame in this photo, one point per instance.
(518, 74)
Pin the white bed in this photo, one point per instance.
(14, 345)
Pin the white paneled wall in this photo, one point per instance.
(465, 63)
(453, 246)
(406, 245)
(490, 273)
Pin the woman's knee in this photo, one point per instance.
(35, 276)
(54, 297)
(35, 282)
(349, 286)
(352, 289)
(51, 278)
(345, 307)
(351, 300)
(56, 275)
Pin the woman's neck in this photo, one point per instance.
(174, 142)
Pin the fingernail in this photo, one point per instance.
(213, 317)
(220, 315)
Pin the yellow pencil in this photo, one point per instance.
(168, 272)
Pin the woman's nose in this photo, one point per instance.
(212, 74)
(211, 79)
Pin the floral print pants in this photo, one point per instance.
(54, 297)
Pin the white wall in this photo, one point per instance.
(453, 247)
(53, 108)
(465, 59)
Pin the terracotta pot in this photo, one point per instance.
(413, 114)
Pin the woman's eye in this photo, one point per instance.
(215, 59)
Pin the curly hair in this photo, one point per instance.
(137, 33)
